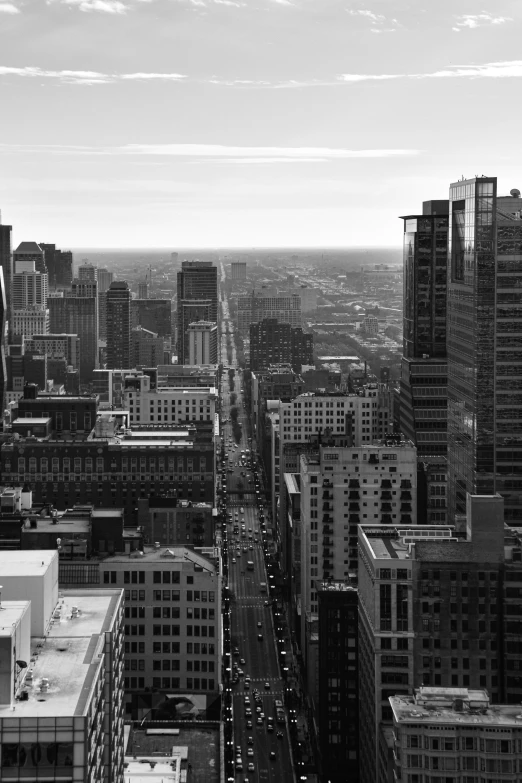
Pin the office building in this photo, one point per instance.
(56, 346)
(152, 314)
(104, 279)
(308, 298)
(75, 314)
(29, 320)
(6, 261)
(197, 283)
(238, 270)
(257, 307)
(88, 271)
(431, 613)
(272, 342)
(29, 289)
(61, 688)
(454, 734)
(202, 343)
(342, 487)
(146, 348)
(484, 347)
(29, 257)
(3, 316)
(172, 522)
(338, 703)
(143, 290)
(164, 406)
(59, 265)
(118, 325)
(423, 408)
(172, 619)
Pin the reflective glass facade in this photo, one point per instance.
(485, 345)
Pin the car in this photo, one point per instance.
(251, 767)
(247, 700)
(249, 724)
(279, 735)
(234, 560)
(242, 661)
(259, 624)
(250, 752)
(239, 764)
(250, 740)
(250, 547)
(267, 686)
(272, 754)
(259, 720)
(259, 709)
(248, 713)
(259, 637)
(270, 727)
(262, 715)
(247, 680)
(238, 751)
(267, 603)
(236, 652)
(247, 685)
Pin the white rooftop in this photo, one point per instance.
(27, 563)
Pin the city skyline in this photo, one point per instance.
(281, 123)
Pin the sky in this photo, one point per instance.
(250, 123)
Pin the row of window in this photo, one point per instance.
(191, 630)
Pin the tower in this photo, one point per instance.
(197, 280)
(118, 326)
(6, 262)
(484, 345)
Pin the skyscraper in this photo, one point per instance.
(59, 265)
(3, 313)
(105, 278)
(197, 280)
(484, 345)
(272, 342)
(87, 272)
(29, 255)
(424, 367)
(77, 314)
(203, 343)
(118, 325)
(6, 261)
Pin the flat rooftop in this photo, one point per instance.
(30, 563)
(169, 554)
(10, 614)
(69, 656)
(390, 542)
(198, 746)
(70, 524)
(455, 705)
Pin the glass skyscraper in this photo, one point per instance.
(484, 343)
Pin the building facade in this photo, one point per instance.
(146, 348)
(6, 260)
(272, 342)
(118, 325)
(256, 307)
(152, 314)
(167, 405)
(77, 315)
(238, 270)
(29, 256)
(202, 343)
(197, 282)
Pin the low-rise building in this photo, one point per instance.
(166, 405)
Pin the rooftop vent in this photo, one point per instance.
(515, 193)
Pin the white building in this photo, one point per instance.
(33, 320)
(202, 343)
(167, 404)
(340, 489)
(29, 288)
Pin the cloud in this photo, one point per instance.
(500, 70)
(229, 3)
(101, 6)
(472, 21)
(282, 2)
(86, 77)
(8, 8)
(364, 77)
(368, 15)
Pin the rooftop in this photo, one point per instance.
(454, 705)
(392, 542)
(162, 554)
(68, 657)
(29, 247)
(335, 586)
(195, 744)
(30, 563)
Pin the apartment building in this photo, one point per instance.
(167, 405)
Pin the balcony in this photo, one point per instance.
(327, 496)
(405, 484)
(354, 495)
(354, 519)
(406, 519)
(327, 506)
(327, 483)
(354, 507)
(327, 552)
(387, 519)
(327, 519)
(373, 459)
(327, 530)
(327, 564)
(406, 507)
(386, 507)
(406, 496)
(386, 484)
(354, 484)
(386, 495)
(327, 541)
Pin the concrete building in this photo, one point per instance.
(340, 489)
(88, 271)
(166, 405)
(308, 298)
(370, 324)
(172, 522)
(29, 321)
(28, 257)
(453, 734)
(238, 270)
(152, 314)
(77, 313)
(59, 265)
(202, 343)
(61, 712)
(430, 613)
(6, 260)
(256, 307)
(197, 282)
(272, 342)
(146, 348)
(3, 346)
(143, 290)
(187, 376)
(56, 346)
(118, 326)
(29, 289)
(104, 278)
(172, 619)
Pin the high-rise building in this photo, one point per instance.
(153, 314)
(197, 281)
(59, 264)
(104, 278)
(29, 288)
(146, 348)
(56, 346)
(6, 261)
(190, 312)
(88, 271)
(3, 314)
(272, 342)
(454, 734)
(431, 611)
(61, 685)
(29, 256)
(29, 320)
(143, 290)
(75, 314)
(342, 487)
(203, 343)
(423, 397)
(484, 345)
(256, 307)
(238, 270)
(118, 325)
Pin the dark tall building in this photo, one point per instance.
(59, 264)
(118, 325)
(3, 367)
(338, 681)
(197, 280)
(152, 314)
(26, 254)
(6, 262)
(424, 365)
(485, 345)
(272, 342)
(77, 315)
(189, 312)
